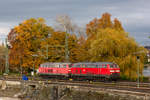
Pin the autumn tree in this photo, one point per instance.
(102, 23)
(54, 47)
(117, 25)
(107, 41)
(33, 42)
(2, 58)
(25, 40)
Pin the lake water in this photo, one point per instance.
(146, 72)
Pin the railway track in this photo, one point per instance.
(128, 86)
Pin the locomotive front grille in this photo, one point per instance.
(115, 75)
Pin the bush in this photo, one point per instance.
(145, 79)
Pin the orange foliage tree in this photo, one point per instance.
(33, 42)
(25, 40)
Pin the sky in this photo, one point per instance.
(133, 14)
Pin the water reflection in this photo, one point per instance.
(146, 72)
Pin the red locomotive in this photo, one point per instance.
(54, 69)
(97, 70)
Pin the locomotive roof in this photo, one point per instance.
(54, 63)
(47, 63)
(94, 62)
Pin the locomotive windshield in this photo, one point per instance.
(113, 66)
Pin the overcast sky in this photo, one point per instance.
(134, 14)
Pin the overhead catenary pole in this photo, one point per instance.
(21, 66)
(47, 51)
(66, 46)
(7, 57)
(65, 22)
(66, 49)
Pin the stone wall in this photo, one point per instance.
(64, 92)
(55, 92)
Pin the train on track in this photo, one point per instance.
(91, 71)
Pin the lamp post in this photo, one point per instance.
(138, 66)
(34, 55)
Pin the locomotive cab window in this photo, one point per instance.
(76, 65)
(56, 65)
(91, 65)
(99, 65)
(113, 66)
(116, 66)
(104, 65)
(60, 65)
(84, 66)
(65, 66)
(47, 65)
(50, 65)
(88, 65)
(72, 65)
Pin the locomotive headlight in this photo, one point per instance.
(117, 70)
(112, 71)
(84, 70)
(69, 70)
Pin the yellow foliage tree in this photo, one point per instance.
(54, 47)
(107, 41)
(116, 46)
